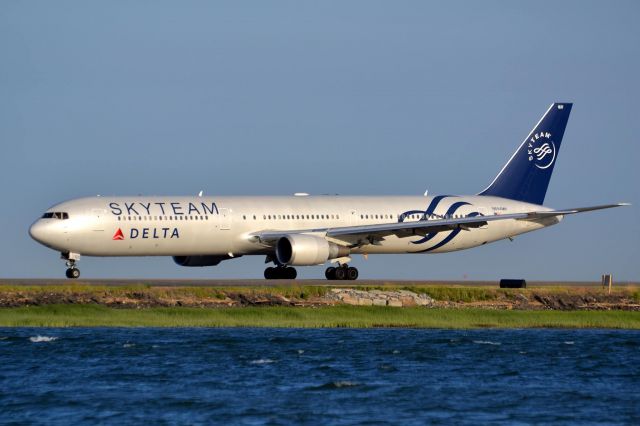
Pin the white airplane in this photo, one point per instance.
(304, 230)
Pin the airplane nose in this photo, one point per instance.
(37, 231)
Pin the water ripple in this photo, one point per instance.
(333, 376)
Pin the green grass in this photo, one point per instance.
(334, 316)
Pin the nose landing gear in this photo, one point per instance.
(73, 273)
(342, 272)
(70, 260)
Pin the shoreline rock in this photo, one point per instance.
(395, 298)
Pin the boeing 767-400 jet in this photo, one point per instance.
(304, 230)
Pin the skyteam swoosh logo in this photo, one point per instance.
(541, 150)
(430, 211)
(448, 238)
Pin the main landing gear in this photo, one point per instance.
(71, 259)
(280, 272)
(342, 272)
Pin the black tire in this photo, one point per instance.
(330, 273)
(352, 273)
(73, 273)
(290, 273)
(341, 273)
(270, 273)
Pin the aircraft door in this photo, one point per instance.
(225, 219)
(98, 219)
(484, 211)
(353, 218)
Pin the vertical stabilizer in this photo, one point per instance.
(526, 175)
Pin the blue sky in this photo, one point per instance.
(349, 97)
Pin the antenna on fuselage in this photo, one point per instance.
(200, 193)
(426, 192)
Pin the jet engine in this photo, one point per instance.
(305, 250)
(199, 260)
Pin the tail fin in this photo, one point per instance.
(526, 175)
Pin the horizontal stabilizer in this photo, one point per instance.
(534, 215)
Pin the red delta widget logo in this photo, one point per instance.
(147, 233)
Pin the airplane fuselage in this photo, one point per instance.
(191, 226)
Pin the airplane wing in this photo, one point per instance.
(372, 234)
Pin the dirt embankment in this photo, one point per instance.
(558, 302)
(441, 297)
(145, 299)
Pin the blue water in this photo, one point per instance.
(327, 376)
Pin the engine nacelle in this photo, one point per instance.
(199, 260)
(306, 250)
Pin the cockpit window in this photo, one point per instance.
(56, 215)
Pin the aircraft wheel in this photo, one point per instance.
(341, 273)
(290, 273)
(352, 273)
(330, 273)
(73, 273)
(270, 273)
